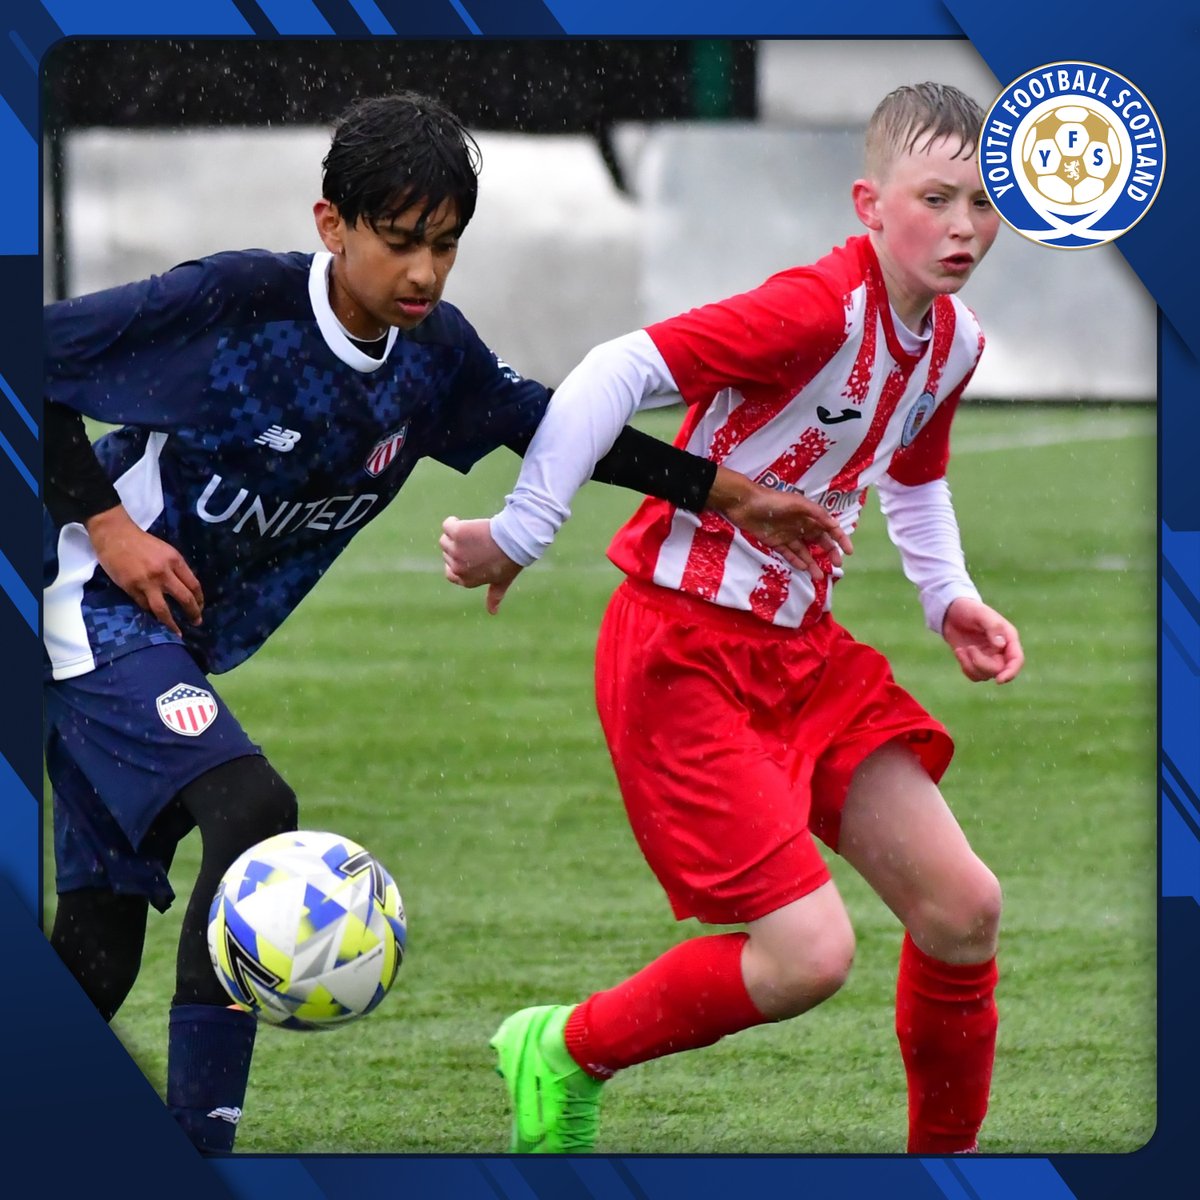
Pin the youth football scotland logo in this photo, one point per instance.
(1072, 155)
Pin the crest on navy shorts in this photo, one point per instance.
(917, 416)
(186, 709)
(384, 453)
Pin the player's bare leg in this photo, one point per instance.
(900, 835)
(798, 955)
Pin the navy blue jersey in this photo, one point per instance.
(257, 439)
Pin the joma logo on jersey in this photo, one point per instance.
(278, 438)
(273, 518)
(384, 453)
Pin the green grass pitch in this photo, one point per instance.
(464, 752)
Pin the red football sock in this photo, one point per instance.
(946, 1023)
(691, 996)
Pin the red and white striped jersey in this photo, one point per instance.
(801, 384)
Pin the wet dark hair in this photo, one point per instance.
(921, 113)
(390, 152)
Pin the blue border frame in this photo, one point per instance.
(68, 1084)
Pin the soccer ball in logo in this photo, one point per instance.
(1072, 155)
(307, 930)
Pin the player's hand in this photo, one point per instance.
(473, 559)
(147, 568)
(797, 528)
(986, 645)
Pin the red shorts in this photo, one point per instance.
(734, 742)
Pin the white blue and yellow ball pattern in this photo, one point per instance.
(307, 930)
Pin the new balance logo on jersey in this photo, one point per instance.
(507, 371)
(186, 709)
(227, 1113)
(278, 438)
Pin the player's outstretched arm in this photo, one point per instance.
(985, 643)
(799, 529)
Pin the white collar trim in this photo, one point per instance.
(331, 328)
(912, 343)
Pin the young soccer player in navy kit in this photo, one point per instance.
(742, 720)
(270, 405)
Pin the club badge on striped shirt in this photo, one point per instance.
(384, 452)
(917, 416)
(186, 709)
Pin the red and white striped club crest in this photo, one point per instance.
(186, 709)
(382, 456)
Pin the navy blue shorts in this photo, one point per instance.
(121, 742)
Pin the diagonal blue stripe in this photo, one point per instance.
(25, 52)
(1002, 1178)
(1180, 781)
(466, 16)
(1181, 650)
(255, 18)
(18, 82)
(628, 1180)
(295, 16)
(6, 446)
(15, 401)
(950, 1184)
(270, 1177)
(20, 823)
(515, 17)
(342, 17)
(1181, 808)
(18, 593)
(375, 21)
(1179, 586)
(432, 17)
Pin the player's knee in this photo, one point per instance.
(825, 968)
(806, 974)
(240, 803)
(965, 922)
(271, 800)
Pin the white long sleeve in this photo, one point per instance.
(922, 524)
(585, 415)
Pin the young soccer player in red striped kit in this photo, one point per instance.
(741, 718)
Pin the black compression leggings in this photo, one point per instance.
(100, 934)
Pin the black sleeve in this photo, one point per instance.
(645, 464)
(75, 486)
(654, 468)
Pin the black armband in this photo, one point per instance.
(645, 464)
(75, 486)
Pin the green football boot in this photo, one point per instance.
(556, 1104)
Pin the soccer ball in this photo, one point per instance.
(1072, 155)
(307, 930)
